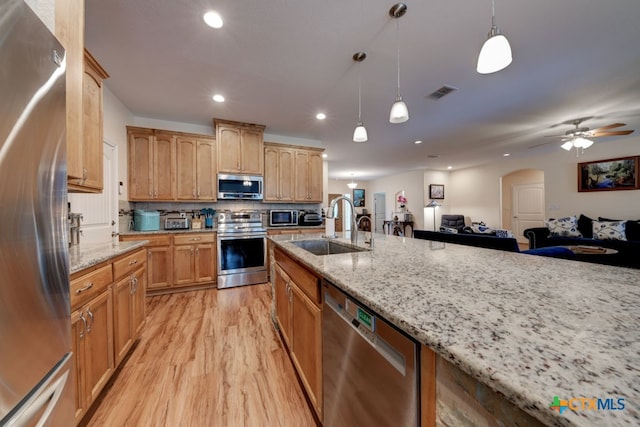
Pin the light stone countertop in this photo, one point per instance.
(87, 255)
(163, 231)
(529, 327)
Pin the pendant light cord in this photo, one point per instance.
(359, 93)
(398, 51)
(493, 13)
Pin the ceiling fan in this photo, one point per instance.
(581, 137)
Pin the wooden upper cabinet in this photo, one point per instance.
(152, 164)
(92, 124)
(196, 168)
(239, 147)
(278, 174)
(308, 176)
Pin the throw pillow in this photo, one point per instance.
(564, 227)
(585, 226)
(609, 230)
(632, 228)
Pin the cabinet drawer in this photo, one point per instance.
(154, 239)
(87, 286)
(129, 263)
(193, 239)
(308, 282)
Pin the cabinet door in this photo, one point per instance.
(315, 177)
(122, 321)
(141, 159)
(99, 344)
(228, 140)
(306, 347)
(282, 296)
(251, 151)
(205, 267)
(78, 332)
(301, 176)
(271, 174)
(206, 180)
(286, 175)
(159, 265)
(92, 127)
(164, 167)
(186, 168)
(184, 265)
(138, 305)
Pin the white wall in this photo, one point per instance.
(475, 192)
(436, 177)
(413, 185)
(116, 118)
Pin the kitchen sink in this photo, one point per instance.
(327, 247)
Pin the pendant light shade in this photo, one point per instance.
(360, 133)
(399, 111)
(352, 184)
(495, 54)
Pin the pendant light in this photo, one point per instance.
(360, 133)
(399, 111)
(352, 184)
(495, 54)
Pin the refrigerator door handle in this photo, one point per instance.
(44, 399)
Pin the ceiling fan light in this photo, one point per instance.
(495, 54)
(360, 133)
(567, 145)
(582, 143)
(399, 111)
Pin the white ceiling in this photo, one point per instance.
(279, 62)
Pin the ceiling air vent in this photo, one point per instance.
(443, 91)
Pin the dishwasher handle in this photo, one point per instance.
(386, 350)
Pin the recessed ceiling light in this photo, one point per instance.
(506, 154)
(449, 167)
(321, 116)
(417, 142)
(218, 98)
(324, 155)
(213, 19)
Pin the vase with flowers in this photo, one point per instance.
(402, 201)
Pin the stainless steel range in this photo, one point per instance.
(242, 249)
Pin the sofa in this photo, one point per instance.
(479, 240)
(620, 235)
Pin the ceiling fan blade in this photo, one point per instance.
(599, 134)
(540, 145)
(614, 125)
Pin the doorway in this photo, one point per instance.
(100, 211)
(340, 212)
(523, 203)
(379, 200)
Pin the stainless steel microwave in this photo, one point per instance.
(239, 187)
(282, 217)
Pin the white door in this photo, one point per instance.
(379, 201)
(100, 211)
(528, 208)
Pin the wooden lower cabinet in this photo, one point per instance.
(176, 261)
(108, 314)
(94, 364)
(194, 259)
(129, 311)
(299, 316)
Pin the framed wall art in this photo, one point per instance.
(436, 191)
(358, 197)
(609, 175)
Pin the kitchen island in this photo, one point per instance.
(529, 328)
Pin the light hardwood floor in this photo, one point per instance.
(206, 358)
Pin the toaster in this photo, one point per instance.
(176, 224)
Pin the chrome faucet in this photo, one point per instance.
(370, 229)
(354, 226)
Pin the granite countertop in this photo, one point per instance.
(87, 255)
(529, 327)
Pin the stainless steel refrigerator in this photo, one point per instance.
(35, 328)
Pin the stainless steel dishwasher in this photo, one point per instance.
(370, 374)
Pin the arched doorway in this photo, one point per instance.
(523, 203)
